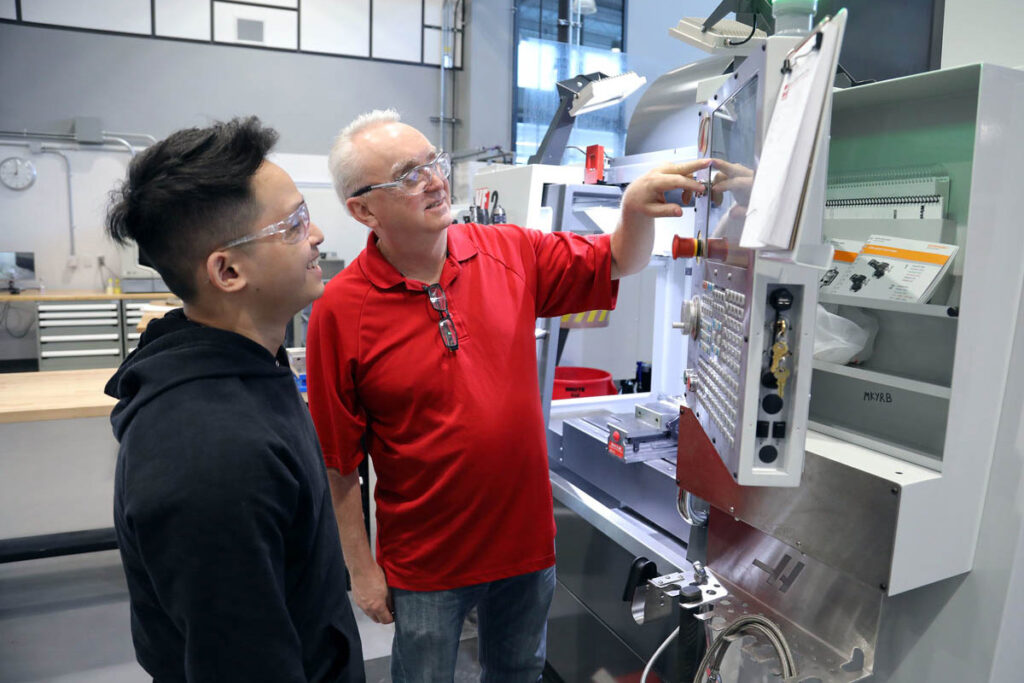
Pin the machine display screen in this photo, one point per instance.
(733, 147)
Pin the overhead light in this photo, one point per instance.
(605, 92)
(579, 95)
(725, 36)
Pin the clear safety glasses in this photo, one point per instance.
(292, 230)
(439, 301)
(415, 180)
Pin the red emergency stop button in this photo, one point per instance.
(616, 436)
(684, 247)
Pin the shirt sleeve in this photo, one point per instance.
(331, 363)
(573, 273)
(210, 529)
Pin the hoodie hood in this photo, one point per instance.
(174, 351)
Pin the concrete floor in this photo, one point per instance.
(66, 619)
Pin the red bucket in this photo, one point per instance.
(575, 382)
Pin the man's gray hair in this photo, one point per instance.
(343, 162)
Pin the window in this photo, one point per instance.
(550, 48)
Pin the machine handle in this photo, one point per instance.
(640, 572)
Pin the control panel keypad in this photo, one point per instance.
(721, 343)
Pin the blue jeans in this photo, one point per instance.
(512, 629)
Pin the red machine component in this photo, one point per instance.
(594, 171)
(714, 248)
(685, 247)
(699, 469)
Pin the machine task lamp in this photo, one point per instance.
(580, 95)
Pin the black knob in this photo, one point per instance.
(772, 404)
(781, 299)
(768, 454)
(690, 594)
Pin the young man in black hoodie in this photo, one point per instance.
(221, 503)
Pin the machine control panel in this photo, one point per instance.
(751, 321)
(745, 341)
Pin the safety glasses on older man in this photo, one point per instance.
(292, 230)
(415, 180)
(439, 301)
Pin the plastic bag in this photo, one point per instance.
(843, 340)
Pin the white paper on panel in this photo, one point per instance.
(280, 26)
(126, 16)
(8, 9)
(183, 19)
(337, 27)
(397, 29)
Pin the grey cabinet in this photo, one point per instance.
(132, 314)
(76, 335)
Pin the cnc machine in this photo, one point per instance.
(871, 519)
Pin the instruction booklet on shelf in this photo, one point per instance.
(836, 278)
(890, 268)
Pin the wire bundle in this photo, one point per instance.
(751, 624)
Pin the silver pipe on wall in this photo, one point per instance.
(145, 136)
(120, 141)
(441, 90)
(71, 206)
(39, 135)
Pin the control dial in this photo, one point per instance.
(689, 318)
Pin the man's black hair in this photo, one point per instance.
(188, 194)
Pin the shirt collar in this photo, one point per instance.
(379, 271)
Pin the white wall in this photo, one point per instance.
(343, 235)
(36, 219)
(982, 31)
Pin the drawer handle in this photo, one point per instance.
(76, 307)
(93, 322)
(78, 337)
(74, 315)
(81, 353)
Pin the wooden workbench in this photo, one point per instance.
(81, 295)
(57, 395)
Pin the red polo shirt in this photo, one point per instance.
(457, 437)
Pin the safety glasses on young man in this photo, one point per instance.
(415, 180)
(439, 301)
(292, 230)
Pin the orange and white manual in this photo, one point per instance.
(836, 279)
(896, 269)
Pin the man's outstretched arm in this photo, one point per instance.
(643, 201)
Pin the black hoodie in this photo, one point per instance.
(223, 515)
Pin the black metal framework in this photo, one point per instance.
(19, 20)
